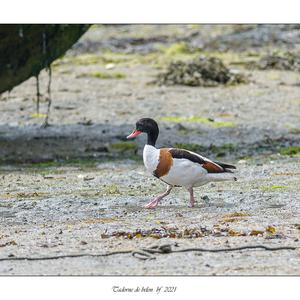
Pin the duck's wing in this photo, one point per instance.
(209, 165)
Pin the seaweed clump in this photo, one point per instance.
(203, 71)
(287, 61)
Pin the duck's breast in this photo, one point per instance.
(151, 158)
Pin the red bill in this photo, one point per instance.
(134, 134)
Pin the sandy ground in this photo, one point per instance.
(77, 187)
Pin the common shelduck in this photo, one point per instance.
(177, 167)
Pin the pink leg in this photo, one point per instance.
(192, 198)
(155, 201)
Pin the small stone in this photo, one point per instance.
(109, 66)
(205, 199)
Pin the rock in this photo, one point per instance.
(110, 66)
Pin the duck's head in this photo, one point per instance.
(146, 125)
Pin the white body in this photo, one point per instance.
(183, 171)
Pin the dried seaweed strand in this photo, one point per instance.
(64, 256)
(145, 253)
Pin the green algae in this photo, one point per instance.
(123, 146)
(176, 48)
(82, 163)
(273, 188)
(198, 119)
(190, 147)
(93, 59)
(103, 75)
(290, 150)
(294, 130)
(111, 189)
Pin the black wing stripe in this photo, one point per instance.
(210, 166)
(180, 153)
(225, 166)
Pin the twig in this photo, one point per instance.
(37, 94)
(49, 99)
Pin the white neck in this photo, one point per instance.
(150, 157)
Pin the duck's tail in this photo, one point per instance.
(227, 168)
(226, 176)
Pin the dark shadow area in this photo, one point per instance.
(32, 144)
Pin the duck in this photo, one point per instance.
(177, 167)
